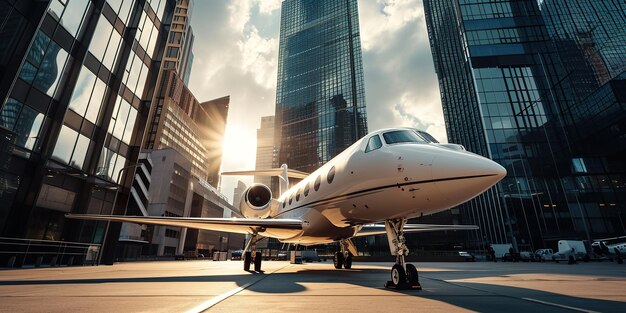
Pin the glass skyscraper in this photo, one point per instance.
(75, 84)
(320, 98)
(508, 93)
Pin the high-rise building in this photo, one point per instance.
(75, 79)
(265, 150)
(178, 53)
(508, 93)
(591, 30)
(192, 128)
(320, 97)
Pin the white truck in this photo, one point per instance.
(575, 248)
(501, 248)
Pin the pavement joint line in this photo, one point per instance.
(202, 307)
(509, 296)
(560, 305)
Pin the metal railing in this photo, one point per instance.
(17, 252)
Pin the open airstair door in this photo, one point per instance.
(284, 173)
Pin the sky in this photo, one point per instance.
(236, 54)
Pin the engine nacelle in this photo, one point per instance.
(256, 202)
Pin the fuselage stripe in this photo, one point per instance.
(398, 185)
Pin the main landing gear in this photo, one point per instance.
(344, 257)
(403, 275)
(251, 256)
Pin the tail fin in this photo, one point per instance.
(283, 173)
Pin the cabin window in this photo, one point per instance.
(298, 195)
(306, 189)
(290, 199)
(318, 181)
(402, 136)
(284, 204)
(373, 144)
(331, 175)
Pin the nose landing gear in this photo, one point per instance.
(403, 275)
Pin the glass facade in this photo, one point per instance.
(72, 99)
(509, 93)
(320, 97)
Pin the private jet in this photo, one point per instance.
(372, 188)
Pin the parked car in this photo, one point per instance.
(467, 256)
(544, 255)
(510, 257)
(236, 255)
(527, 256)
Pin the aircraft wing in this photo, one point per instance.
(379, 229)
(232, 225)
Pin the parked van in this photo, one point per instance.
(575, 248)
(501, 248)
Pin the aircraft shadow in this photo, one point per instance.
(482, 297)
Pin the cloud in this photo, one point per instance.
(400, 83)
(260, 57)
(383, 18)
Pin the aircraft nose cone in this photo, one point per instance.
(464, 164)
(462, 176)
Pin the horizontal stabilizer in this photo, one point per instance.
(379, 229)
(270, 172)
(231, 225)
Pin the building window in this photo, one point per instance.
(44, 64)
(70, 13)
(105, 43)
(171, 233)
(22, 120)
(88, 95)
(65, 145)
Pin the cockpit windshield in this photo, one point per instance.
(402, 136)
(426, 136)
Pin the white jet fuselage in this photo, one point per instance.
(397, 180)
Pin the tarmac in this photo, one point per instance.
(197, 286)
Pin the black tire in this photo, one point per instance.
(247, 259)
(412, 275)
(398, 275)
(338, 260)
(258, 258)
(347, 263)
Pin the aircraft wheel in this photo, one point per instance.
(247, 259)
(412, 275)
(258, 257)
(398, 275)
(347, 263)
(338, 260)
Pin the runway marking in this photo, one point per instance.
(560, 305)
(219, 298)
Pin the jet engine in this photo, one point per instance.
(256, 202)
